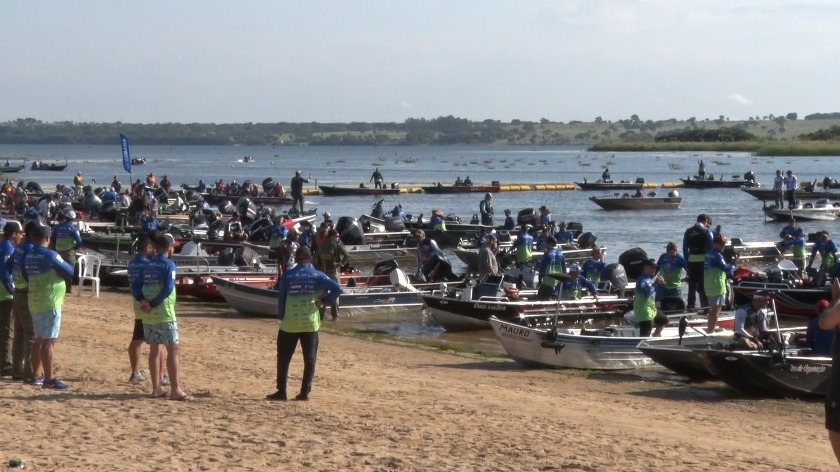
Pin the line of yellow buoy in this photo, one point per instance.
(524, 187)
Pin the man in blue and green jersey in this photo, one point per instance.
(553, 262)
(715, 272)
(303, 291)
(7, 289)
(155, 291)
(671, 266)
(66, 240)
(23, 362)
(45, 272)
(644, 304)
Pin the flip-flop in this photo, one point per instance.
(159, 395)
(185, 398)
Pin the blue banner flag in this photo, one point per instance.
(125, 153)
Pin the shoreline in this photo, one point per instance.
(379, 406)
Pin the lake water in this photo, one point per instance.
(738, 213)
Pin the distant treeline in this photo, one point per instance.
(445, 130)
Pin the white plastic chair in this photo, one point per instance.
(89, 270)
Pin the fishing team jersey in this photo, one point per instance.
(788, 230)
(438, 223)
(150, 225)
(45, 270)
(276, 235)
(16, 263)
(572, 289)
(592, 269)
(299, 289)
(552, 262)
(644, 300)
(7, 286)
(66, 236)
(157, 285)
(715, 270)
(523, 245)
(564, 237)
(797, 241)
(671, 269)
(135, 272)
(827, 251)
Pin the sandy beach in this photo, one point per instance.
(378, 406)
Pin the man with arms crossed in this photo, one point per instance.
(45, 272)
(155, 291)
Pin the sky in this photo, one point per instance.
(209, 61)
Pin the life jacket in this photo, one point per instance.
(697, 241)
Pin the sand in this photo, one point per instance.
(378, 406)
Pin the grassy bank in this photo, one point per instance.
(759, 148)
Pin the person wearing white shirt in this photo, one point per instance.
(791, 184)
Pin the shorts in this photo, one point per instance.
(139, 334)
(717, 300)
(161, 333)
(47, 323)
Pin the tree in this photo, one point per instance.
(792, 116)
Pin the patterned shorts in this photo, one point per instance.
(717, 300)
(47, 323)
(161, 333)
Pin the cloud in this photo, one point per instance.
(738, 98)
(405, 105)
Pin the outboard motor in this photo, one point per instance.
(246, 209)
(452, 218)
(216, 230)
(268, 185)
(586, 240)
(226, 207)
(33, 187)
(344, 222)
(632, 260)
(108, 211)
(616, 275)
(438, 266)
(258, 229)
(91, 203)
(394, 224)
(353, 234)
(528, 216)
(575, 227)
(245, 256)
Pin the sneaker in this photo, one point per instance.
(138, 377)
(302, 397)
(55, 384)
(277, 396)
(39, 380)
(164, 380)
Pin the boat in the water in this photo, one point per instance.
(354, 191)
(768, 194)
(611, 348)
(795, 373)
(10, 168)
(627, 202)
(735, 181)
(821, 210)
(601, 184)
(41, 165)
(138, 161)
(461, 188)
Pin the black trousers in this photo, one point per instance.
(695, 284)
(791, 198)
(286, 345)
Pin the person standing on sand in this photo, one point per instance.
(136, 265)
(830, 319)
(303, 291)
(7, 289)
(155, 292)
(23, 362)
(46, 271)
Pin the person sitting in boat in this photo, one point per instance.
(468, 182)
(789, 230)
(437, 221)
(749, 176)
(545, 216)
(398, 211)
(564, 235)
(572, 287)
(165, 184)
(593, 266)
(427, 251)
(510, 223)
(553, 262)
(797, 242)
(638, 193)
(202, 187)
(542, 238)
(150, 224)
(151, 180)
(458, 181)
(523, 245)
(109, 195)
(817, 339)
(279, 191)
(825, 247)
(751, 331)
(605, 177)
(644, 301)
(234, 229)
(671, 267)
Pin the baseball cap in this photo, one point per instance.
(649, 263)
